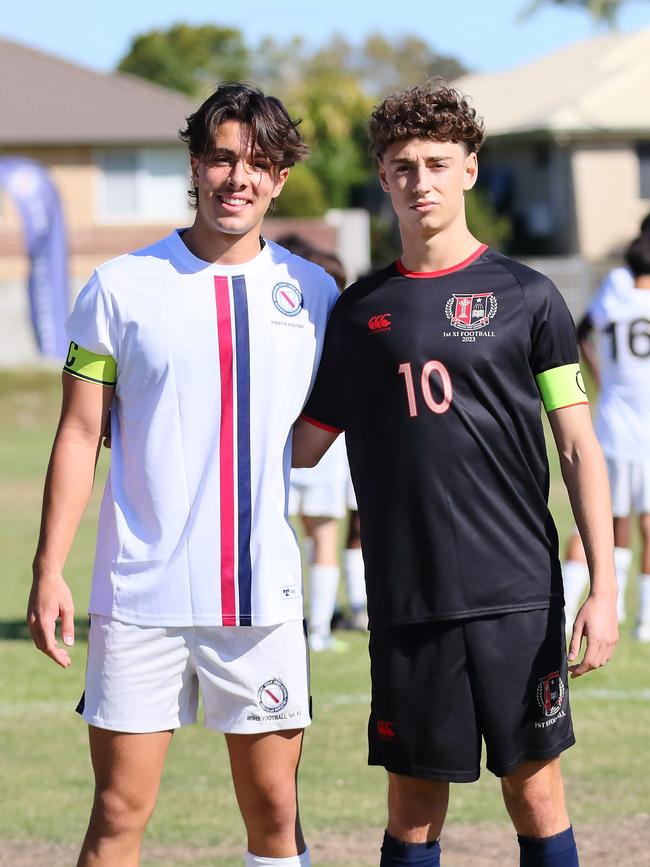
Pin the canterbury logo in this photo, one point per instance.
(385, 729)
(381, 322)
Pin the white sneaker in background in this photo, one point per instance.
(319, 643)
(642, 632)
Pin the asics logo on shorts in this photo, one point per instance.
(385, 729)
(380, 322)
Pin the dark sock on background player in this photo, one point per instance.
(556, 851)
(395, 853)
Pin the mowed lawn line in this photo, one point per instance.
(45, 751)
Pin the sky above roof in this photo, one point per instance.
(484, 36)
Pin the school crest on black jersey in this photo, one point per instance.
(471, 312)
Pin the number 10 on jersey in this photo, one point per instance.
(429, 368)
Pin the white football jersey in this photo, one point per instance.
(621, 313)
(214, 364)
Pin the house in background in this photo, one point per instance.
(110, 144)
(567, 154)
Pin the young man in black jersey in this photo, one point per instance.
(436, 368)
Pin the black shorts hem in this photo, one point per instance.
(532, 756)
(429, 773)
(554, 601)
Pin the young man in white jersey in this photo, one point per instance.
(620, 313)
(203, 347)
(436, 367)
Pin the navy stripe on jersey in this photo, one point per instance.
(243, 448)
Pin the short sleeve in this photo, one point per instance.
(326, 404)
(552, 331)
(554, 356)
(92, 322)
(617, 281)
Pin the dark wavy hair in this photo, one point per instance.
(434, 111)
(272, 132)
(637, 255)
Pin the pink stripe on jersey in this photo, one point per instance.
(226, 452)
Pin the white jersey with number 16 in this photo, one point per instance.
(621, 313)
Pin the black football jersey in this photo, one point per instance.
(433, 379)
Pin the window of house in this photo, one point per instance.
(643, 153)
(147, 185)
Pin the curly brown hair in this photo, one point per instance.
(435, 111)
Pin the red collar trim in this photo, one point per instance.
(420, 275)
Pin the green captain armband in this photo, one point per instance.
(90, 366)
(561, 386)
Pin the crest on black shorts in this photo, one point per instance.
(273, 695)
(550, 693)
(471, 312)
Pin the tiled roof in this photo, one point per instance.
(593, 87)
(48, 101)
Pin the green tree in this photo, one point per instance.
(485, 223)
(323, 89)
(386, 65)
(302, 195)
(602, 11)
(186, 58)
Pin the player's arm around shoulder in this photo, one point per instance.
(312, 432)
(68, 485)
(310, 442)
(585, 476)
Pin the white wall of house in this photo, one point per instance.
(142, 185)
(609, 206)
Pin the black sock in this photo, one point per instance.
(394, 853)
(556, 851)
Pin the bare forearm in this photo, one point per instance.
(68, 486)
(585, 477)
(309, 443)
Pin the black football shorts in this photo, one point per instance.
(440, 688)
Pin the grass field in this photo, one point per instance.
(44, 761)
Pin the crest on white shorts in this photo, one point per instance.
(273, 695)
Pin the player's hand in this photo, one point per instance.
(597, 623)
(49, 600)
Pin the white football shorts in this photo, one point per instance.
(251, 679)
(326, 500)
(630, 484)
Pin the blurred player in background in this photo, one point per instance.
(321, 496)
(197, 578)
(620, 315)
